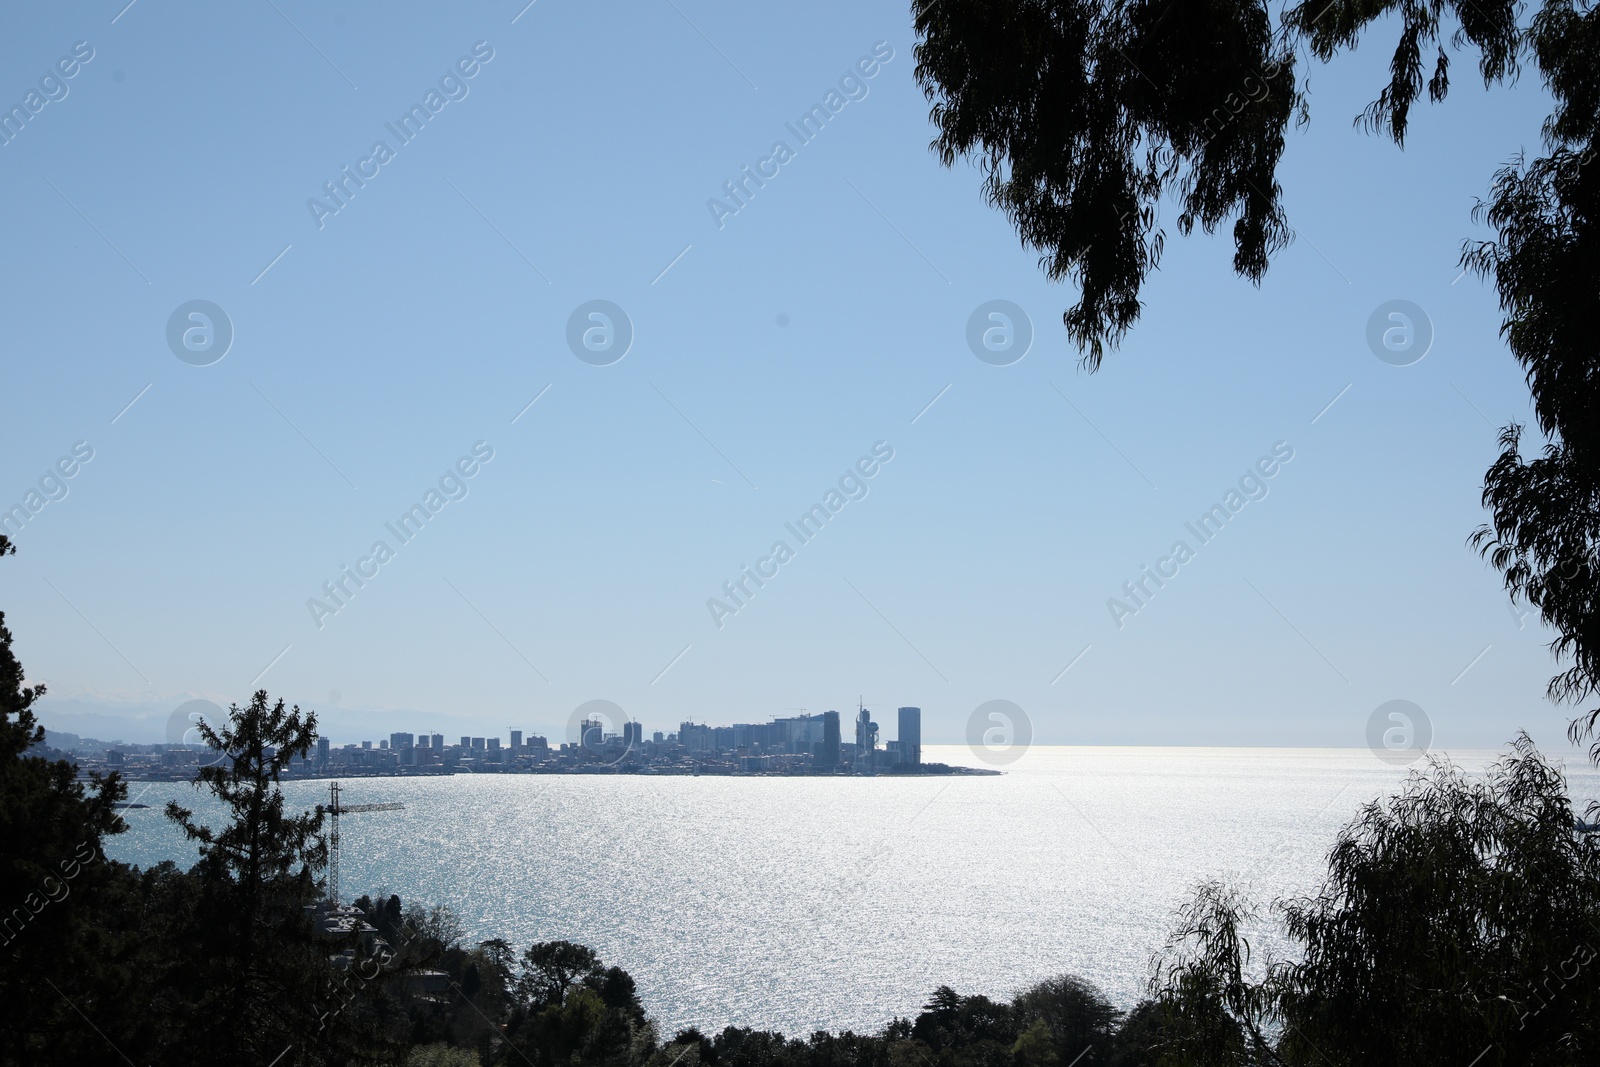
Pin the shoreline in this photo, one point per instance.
(937, 770)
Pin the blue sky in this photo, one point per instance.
(374, 347)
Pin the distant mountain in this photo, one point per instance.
(127, 721)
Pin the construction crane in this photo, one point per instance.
(333, 809)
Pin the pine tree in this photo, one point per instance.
(56, 968)
(259, 973)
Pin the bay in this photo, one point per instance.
(799, 904)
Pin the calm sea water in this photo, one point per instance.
(799, 904)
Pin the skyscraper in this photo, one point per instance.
(911, 735)
(591, 734)
(516, 739)
(829, 756)
(866, 740)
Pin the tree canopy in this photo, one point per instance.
(52, 877)
(1085, 114)
(1459, 922)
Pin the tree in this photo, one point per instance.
(54, 963)
(1084, 114)
(550, 968)
(1459, 923)
(1153, 1036)
(1035, 1047)
(574, 1009)
(1211, 1013)
(1462, 919)
(967, 1030)
(258, 975)
(617, 989)
(1076, 1017)
(495, 973)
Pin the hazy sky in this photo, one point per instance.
(775, 343)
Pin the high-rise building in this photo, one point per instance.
(478, 744)
(466, 742)
(695, 737)
(322, 752)
(400, 740)
(516, 739)
(632, 734)
(866, 739)
(591, 734)
(911, 736)
(438, 742)
(829, 756)
(800, 734)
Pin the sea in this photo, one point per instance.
(804, 904)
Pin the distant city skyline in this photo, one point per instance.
(905, 716)
(804, 744)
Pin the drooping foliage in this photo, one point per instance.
(1544, 530)
(1459, 922)
(1085, 114)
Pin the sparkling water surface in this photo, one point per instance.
(798, 904)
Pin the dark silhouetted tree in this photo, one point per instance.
(1086, 114)
(55, 961)
(574, 1009)
(1076, 1018)
(549, 969)
(1459, 923)
(259, 976)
